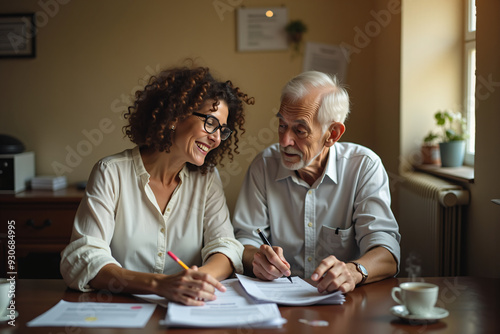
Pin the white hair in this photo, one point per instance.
(334, 103)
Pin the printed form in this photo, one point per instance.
(282, 292)
(232, 308)
(74, 314)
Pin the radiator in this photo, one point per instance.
(430, 218)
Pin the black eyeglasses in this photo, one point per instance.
(212, 124)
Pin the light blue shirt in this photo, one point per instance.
(345, 213)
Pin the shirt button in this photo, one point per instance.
(162, 230)
(310, 224)
(160, 254)
(168, 209)
(310, 192)
(309, 259)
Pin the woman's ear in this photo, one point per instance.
(336, 131)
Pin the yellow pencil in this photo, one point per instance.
(176, 259)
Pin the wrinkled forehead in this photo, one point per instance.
(305, 107)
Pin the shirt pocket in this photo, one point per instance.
(338, 242)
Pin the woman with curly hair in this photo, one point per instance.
(163, 195)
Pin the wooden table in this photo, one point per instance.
(473, 303)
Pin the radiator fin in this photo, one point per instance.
(430, 220)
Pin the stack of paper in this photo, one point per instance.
(233, 308)
(282, 292)
(48, 182)
(247, 302)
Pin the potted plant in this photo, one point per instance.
(430, 150)
(451, 137)
(295, 31)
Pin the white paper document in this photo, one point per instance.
(332, 59)
(116, 315)
(282, 292)
(262, 29)
(232, 308)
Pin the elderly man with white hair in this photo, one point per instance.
(324, 205)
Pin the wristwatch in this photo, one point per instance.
(362, 270)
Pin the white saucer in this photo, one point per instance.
(401, 312)
(7, 317)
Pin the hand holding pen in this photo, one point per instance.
(275, 257)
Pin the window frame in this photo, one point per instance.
(470, 79)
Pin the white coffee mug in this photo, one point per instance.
(6, 294)
(419, 298)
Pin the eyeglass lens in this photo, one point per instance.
(212, 124)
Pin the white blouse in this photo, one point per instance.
(119, 221)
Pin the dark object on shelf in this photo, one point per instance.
(81, 185)
(10, 145)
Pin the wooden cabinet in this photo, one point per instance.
(43, 222)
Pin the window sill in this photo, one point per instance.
(461, 174)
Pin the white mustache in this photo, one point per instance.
(290, 150)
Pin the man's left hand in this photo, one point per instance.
(333, 274)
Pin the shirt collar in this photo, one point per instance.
(138, 164)
(331, 166)
(283, 172)
(330, 169)
(143, 174)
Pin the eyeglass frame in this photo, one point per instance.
(219, 126)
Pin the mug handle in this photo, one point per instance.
(396, 294)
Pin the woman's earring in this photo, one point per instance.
(173, 127)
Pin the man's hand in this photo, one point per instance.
(333, 274)
(269, 263)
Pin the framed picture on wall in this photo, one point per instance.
(17, 35)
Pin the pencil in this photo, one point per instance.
(265, 241)
(176, 259)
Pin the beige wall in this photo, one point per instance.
(431, 68)
(92, 55)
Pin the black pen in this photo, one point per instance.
(265, 241)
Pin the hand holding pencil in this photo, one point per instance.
(190, 286)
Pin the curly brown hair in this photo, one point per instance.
(172, 96)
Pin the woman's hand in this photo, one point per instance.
(189, 287)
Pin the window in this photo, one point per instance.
(470, 79)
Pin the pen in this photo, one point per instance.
(265, 241)
(176, 259)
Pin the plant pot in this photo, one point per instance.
(452, 153)
(430, 154)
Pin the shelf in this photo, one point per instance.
(461, 174)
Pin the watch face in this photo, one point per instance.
(363, 269)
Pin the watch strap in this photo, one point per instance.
(362, 270)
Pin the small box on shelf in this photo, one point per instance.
(48, 182)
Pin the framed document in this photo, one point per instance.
(261, 29)
(17, 35)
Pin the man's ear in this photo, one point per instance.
(336, 131)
